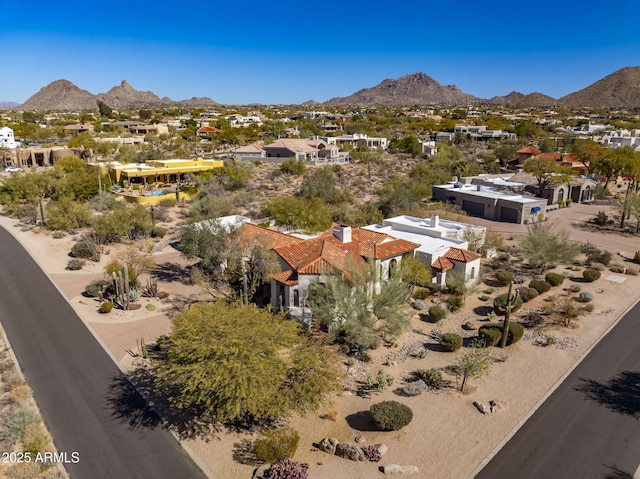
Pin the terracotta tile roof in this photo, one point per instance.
(209, 129)
(287, 278)
(326, 252)
(250, 235)
(529, 150)
(442, 264)
(462, 255)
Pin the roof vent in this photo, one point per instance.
(342, 233)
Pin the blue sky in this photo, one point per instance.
(283, 51)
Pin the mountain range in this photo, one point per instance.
(620, 89)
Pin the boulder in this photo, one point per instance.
(482, 407)
(415, 388)
(382, 448)
(328, 445)
(468, 326)
(350, 451)
(496, 406)
(398, 469)
(359, 439)
(421, 305)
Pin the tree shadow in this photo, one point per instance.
(621, 394)
(483, 310)
(361, 421)
(243, 453)
(617, 473)
(146, 406)
(172, 272)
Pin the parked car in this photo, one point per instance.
(13, 169)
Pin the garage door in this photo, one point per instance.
(509, 214)
(473, 208)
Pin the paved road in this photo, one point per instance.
(590, 426)
(88, 405)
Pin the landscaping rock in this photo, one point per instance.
(398, 469)
(328, 445)
(496, 406)
(359, 439)
(382, 448)
(259, 472)
(469, 326)
(483, 408)
(415, 388)
(350, 451)
(421, 305)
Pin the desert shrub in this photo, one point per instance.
(575, 288)
(13, 422)
(590, 275)
(504, 277)
(105, 307)
(532, 319)
(421, 293)
(372, 453)
(527, 294)
(554, 279)
(167, 203)
(436, 313)
(287, 469)
(455, 302)
(500, 304)
(276, 445)
(540, 286)
(432, 377)
(94, 289)
(504, 256)
(158, 232)
(74, 264)
(151, 307)
(380, 382)
(491, 333)
(632, 272)
(291, 166)
(585, 297)
(600, 256)
(87, 249)
(519, 279)
(451, 341)
(390, 415)
(589, 307)
(636, 257)
(489, 336)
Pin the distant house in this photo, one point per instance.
(445, 136)
(250, 153)
(490, 203)
(7, 140)
(480, 132)
(79, 128)
(353, 141)
(312, 150)
(428, 147)
(523, 155)
(207, 130)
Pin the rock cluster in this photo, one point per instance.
(492, 408)
(346, 450)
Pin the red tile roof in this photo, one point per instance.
(442, 264)
(462, 255)
(529, 150)
(287, 278)
(251, 235)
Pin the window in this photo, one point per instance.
(393, 264)
(296, 298)
(473, 273)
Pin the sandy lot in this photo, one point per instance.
(447, 438)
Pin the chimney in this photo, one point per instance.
(343, 233)
(435, 221)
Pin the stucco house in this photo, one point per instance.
(7, 140)
(311, 150)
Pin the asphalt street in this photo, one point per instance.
(590, 426)
(88, 405)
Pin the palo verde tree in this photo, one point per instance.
(359, 307)
(232, 362)
(543, 246)
(474, 363)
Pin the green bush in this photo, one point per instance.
(491, 333)
(527, 294)
(436, 313)
(432, 377)
(575, 288)
(540, 286)
(390, 415)
(74, 264)
(276, 445)
(158, 232)
(590, 275)
(504, 277)
(93, 289)
(451, 341)
(106, 307)
(554, 279)
(291, 166)
(455, 302)
(86, 249)
(500, 304)
(421, 293)
(585, 297)
(168, 202)
(636, 257)
(14, 420)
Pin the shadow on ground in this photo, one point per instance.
(172, 272)
(361, 421)
(243, 453)
(621, 394)
(616, 473)
(128, 405)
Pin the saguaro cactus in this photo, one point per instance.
(506, 307)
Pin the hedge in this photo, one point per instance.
(540, 286)
(491, 333)
(451, 341)
(590, 275)
(390, 415)
(554, 279)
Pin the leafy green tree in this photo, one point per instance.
(474, 363)
(105, 110)
(415, 272)
(505, 152)
(367, 157)
(543, 246)
(129, 222)
(401, 194)
(408, 144)
(235, 175)
(360, 307)
(232, 362)
(547, 172)
(321, 183)
(66, 214)
(310, 215)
